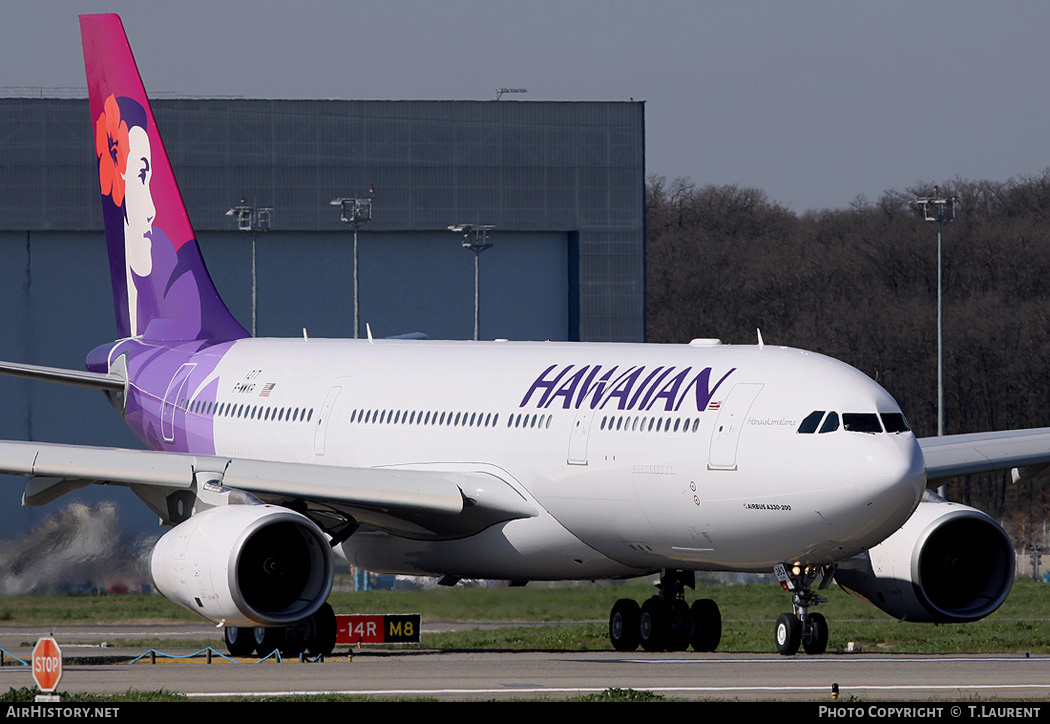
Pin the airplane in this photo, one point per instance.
(550, 461)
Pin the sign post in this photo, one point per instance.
(47, 668)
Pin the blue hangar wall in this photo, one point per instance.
(563, 182)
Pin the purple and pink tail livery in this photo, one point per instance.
(161, 288)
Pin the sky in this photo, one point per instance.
(815, 103)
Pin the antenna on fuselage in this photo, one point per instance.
(368, 328)
(761, 344)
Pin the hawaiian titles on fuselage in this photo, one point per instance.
(628, 388)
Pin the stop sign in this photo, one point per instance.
(47, 664)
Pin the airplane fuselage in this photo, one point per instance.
(638, 457)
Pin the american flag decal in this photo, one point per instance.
(715, 405)
(267, 388)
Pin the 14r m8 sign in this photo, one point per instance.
(402, 628)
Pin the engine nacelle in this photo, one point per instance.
(245, 565)
(949, 563)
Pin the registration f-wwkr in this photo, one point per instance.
(559, 461)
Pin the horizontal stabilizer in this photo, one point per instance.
(80, 378)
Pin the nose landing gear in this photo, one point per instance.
(802, 628)
(665, 622)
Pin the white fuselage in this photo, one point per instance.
(604, 439)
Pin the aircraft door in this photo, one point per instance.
(726, 436)
(321, 431)
(171, 401)
(578, 436)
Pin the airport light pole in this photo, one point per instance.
(356, 211)
(940, 209)
(475, 238)
(253, 219)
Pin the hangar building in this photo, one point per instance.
(563, 183)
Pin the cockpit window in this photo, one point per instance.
(854, 422)
(894, 422)
(809, 425)
(831, 423)
(861, 422)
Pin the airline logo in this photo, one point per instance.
(625, 388)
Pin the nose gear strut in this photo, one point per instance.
(802, 628)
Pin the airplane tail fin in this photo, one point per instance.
(161, 288)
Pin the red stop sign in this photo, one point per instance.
(47, 664)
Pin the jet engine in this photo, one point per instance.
(948, 564)
(245, 565)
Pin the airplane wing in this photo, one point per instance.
(414, 503)
(1027, 452)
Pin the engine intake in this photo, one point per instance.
(948, 564)
(245, 565)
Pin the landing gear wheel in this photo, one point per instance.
(296, 636)
(239, 640)
(788, 634)
(681, 627)
(707, 625)
(623, 625)
(816, 640)
(654, 625)
(266, 640)
(323, 640)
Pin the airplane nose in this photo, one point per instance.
(892, 484)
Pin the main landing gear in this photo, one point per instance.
(314, 634)
(802, 628)
(666, 622)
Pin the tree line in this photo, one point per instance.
(860, 284)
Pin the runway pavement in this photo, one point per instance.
(413, 673)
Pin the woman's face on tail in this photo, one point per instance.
(138, 203)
